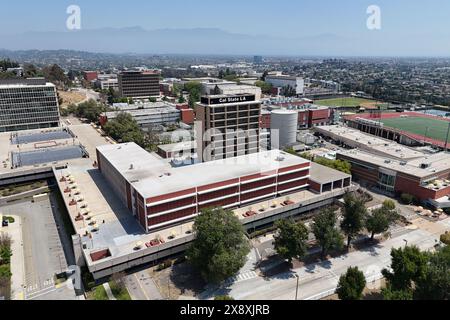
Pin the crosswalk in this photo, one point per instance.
(241, 277)
(34, 288)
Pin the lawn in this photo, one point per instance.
(99, 293)
(432, 128)
(344, 102)
(120, 293)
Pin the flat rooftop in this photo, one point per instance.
(179, 146)
(436, 163)
(152, 177)
(371, 143)
(324, 175)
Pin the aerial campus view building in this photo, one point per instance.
(163, 200)
(139, 84)
(229, 126)
(28, 104)
(392, 167)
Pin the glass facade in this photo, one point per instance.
(25, 107)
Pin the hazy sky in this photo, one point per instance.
(290, 18)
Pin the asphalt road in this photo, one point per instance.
(142, 287)
(319, 280)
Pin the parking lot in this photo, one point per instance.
(43, 252)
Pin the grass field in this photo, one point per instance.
(430, 128)
(345, 102)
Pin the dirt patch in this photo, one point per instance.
(179, 280)
(70, 97)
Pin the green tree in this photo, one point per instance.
(125, 129)
(181, 98)
(290, 241)
(435, 284)
(7, 63)
(351, 284)
(266, 87)
(220, 247)
(90, 110)
(408, 265)
(55, 74)
(377, 223)
(194, 88)
(288, 91)
(5, 255)
(397, 295)
(354, 213)
(326, 232)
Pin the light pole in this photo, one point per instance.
(296, 290)
(406, 242)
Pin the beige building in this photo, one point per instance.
(228, 126)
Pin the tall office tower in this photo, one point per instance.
(139, 84)
(28, 104)
(227, 126)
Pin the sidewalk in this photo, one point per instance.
(17, 259)
(108, 291)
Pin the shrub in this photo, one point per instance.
(5, 271)
(166, 264)
(9, 219)
(406, 198)
(445, 238)
(223, 298)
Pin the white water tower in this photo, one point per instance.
(286, 122)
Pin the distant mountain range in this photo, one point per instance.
(217, 41)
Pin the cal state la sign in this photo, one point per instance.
(230, 99)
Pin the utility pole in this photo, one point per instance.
(446, 138)
(296, 290)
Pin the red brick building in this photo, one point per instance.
(90, 75)
(159, 195)
(426, 178)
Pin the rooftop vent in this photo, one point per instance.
(425, 165)
(280, 158)
(131, 166)
(387, 161)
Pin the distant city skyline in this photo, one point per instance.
(408, 28)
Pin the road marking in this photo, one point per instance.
(140, 285)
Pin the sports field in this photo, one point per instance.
(347, 102)
(427, 127)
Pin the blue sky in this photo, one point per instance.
(290, 18)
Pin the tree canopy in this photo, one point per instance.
(266, 87)
(125, 129)
(351, 284)
(381, 219)
(220, 248)
(354, 214)
(326, 232)
(418, 275)
(290, 241)
(90, 110)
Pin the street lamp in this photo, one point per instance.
(296, 290)
(406, 242)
